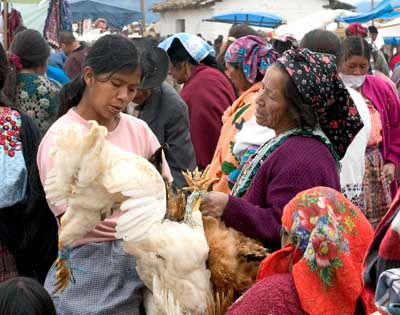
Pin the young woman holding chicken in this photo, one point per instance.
(106, 281)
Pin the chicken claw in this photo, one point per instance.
(198, 180)
(63, 273)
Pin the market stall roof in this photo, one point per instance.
(389, 31)
(387, 9)
(254, 18)
(118, 13)
(321, 19)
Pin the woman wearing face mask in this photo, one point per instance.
(106, 281)
(383, 150)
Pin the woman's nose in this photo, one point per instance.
(123, 93)
(357, 71)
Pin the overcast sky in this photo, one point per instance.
(357, 1)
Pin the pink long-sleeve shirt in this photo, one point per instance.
(132, 135)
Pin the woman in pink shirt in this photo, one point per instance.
(104, 276)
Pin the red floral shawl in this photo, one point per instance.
(329, 237)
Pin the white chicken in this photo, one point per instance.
(171, 261)
(92, 177)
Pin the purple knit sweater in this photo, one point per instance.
(298, 164)
(274, 295)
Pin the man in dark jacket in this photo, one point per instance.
(76, 53)
(161, 107)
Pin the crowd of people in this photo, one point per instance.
(302, 140)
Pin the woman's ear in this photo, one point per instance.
(88, 76)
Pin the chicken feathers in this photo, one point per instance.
(92, 178)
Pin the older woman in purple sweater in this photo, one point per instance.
(307, 105)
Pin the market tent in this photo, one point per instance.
(390, 32)
(118, 13)
(387, 9)
(321, 19)
(34, 15)
(254, 18)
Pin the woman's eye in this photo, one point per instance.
(116, 83)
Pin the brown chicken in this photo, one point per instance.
(233, 259)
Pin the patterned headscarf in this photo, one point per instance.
(329, 237)
(196, 47)
(316, 78)
(252, 52)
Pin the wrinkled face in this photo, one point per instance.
(355, 65)
(272, 108)
(110, 95)
(237, 77)
(141, 96)
(178, 71)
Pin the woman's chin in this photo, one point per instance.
(261, 122)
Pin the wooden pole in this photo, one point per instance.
(143, 9)
(5, 24)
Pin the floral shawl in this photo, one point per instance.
(37, 96)
(328, 239)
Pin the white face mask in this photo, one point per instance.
(353, 81)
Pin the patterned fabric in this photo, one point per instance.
(328, 239)
(14, 21)
(52, 24)
(37, 96)
(387, 295)
(12, 163)
(59, 18)
(105, 282)
(352, 192)
(253, 164)
(316, 79)
(224, 162)
(384, 250)
(375, 198)
(234, 175)
(197, 48)
(8, 267)
(252, 52)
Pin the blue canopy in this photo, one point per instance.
(254, 18)
(118, 13)
(392, 40)
(385, 10)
